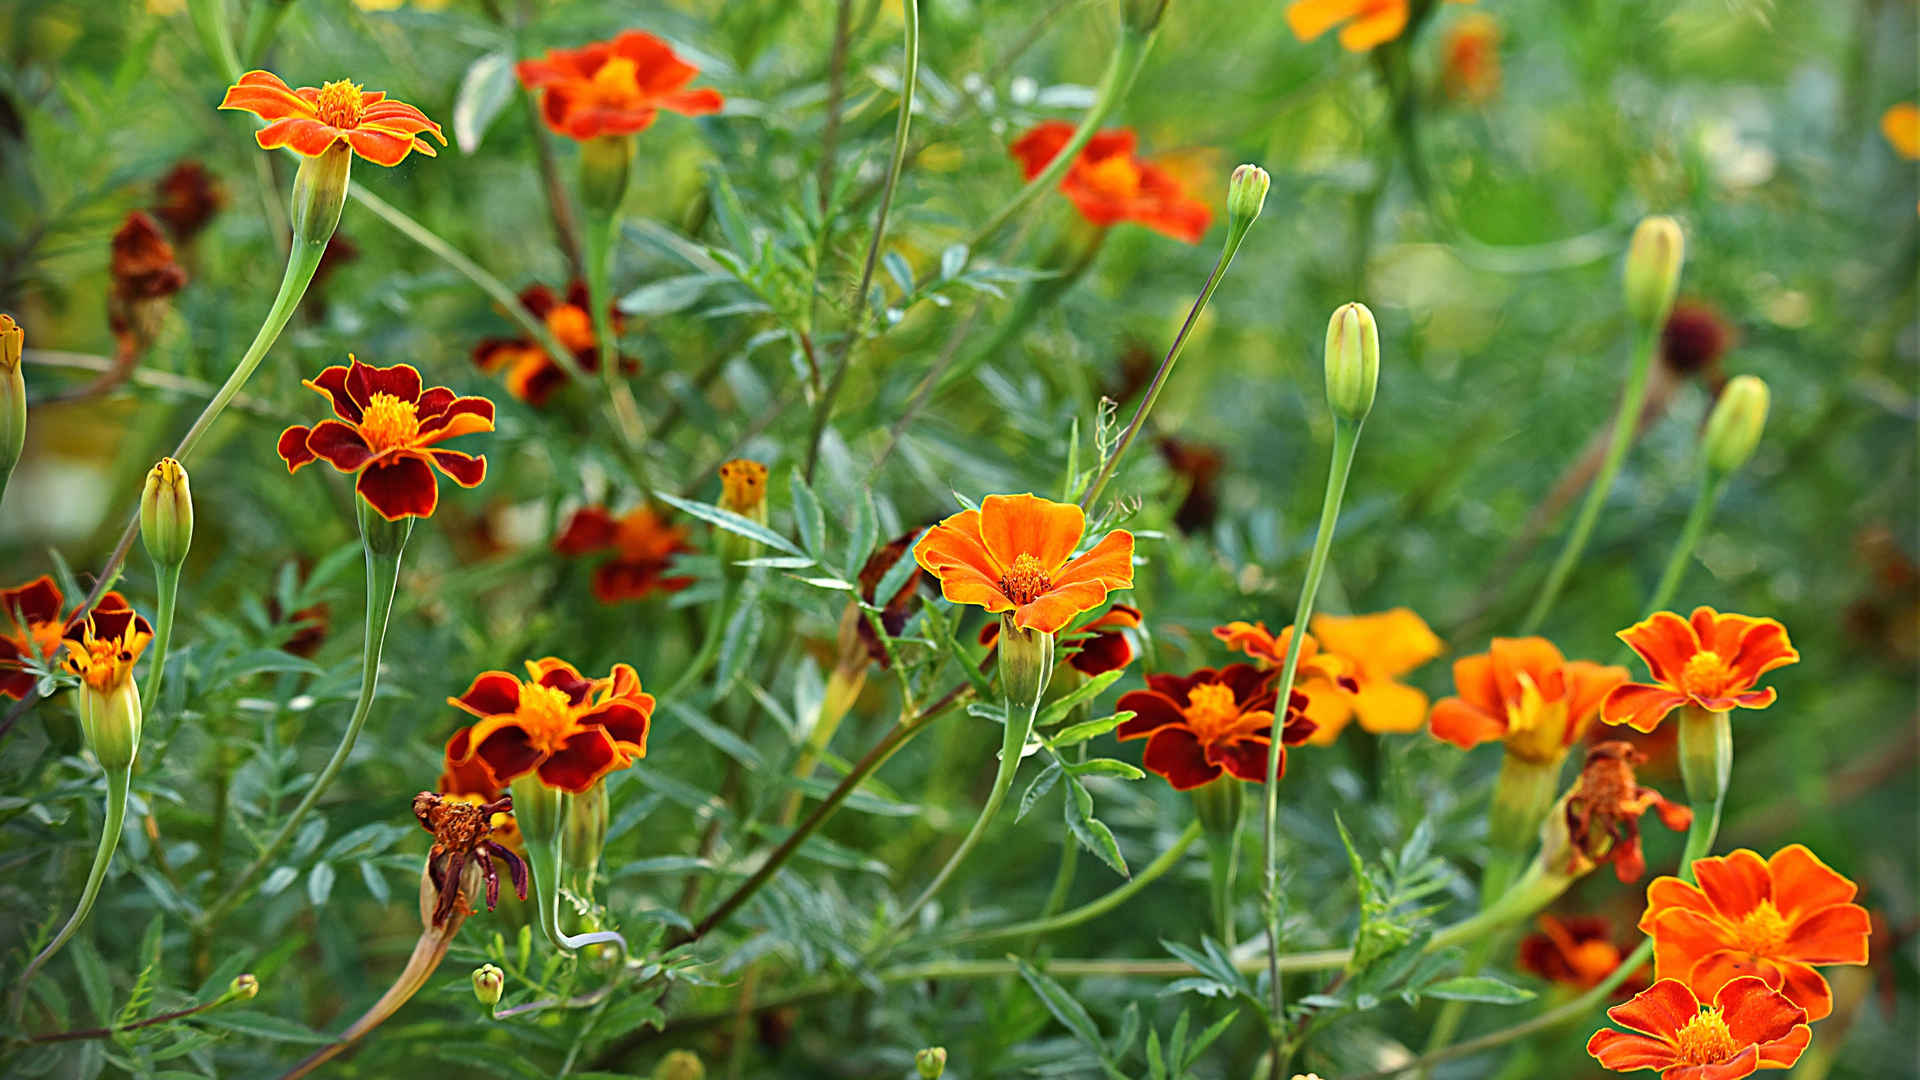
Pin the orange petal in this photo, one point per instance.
(1016, 525)
(1622, 1052)
(1660, 1010)
(1666, 642)
(1110, 563)
(1736, 883)
(1376, 26)
(1308, 19)
(965, 585)
(1051, 612)
(1639, 706)
(1802, 884)
(1534, 657)
(956, 541)
(1473, 678)
(1762, 648)
(1390, 707)
(1464, 725)
(1588, 684)
(1834, 935)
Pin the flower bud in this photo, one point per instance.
(110, 720)
(243, 988)
(586, 834)
(931, 1062)
(319, 191)
(1246, 194)
(743, 490)
(166, 514)
(1143, 16)
(13, 396)
(1734, 426)
(605, 161)
(1652, 275)
(1353, 362)
(1026, 664)
(488, 983)
(680, 1065)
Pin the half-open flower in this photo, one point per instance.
(1325, 680)
(614, 87)
(567, 729)
(1012, 555)
(388, 435)
(1470, 59)
(1579, 951)
(1200, 725)
(32, 625)
(1109, 183)
(1711, 661)
(312, 120)
(1522, 691)
(1771, 918)
(103, 647)
(1748, 1027)
(531, 375)
(643, 544)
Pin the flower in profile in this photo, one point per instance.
(1522, 691)
(1093, 648)
(1368, 22)
(1326, 681)
(532, 375)
(1380, 649)
(388, 435)
(1200, 725)
(1012, 555)
(1748, 1027)
(1710, 661)
(1578, 951)
(614, 87)
(566, 729)
(1771, 918)
(1470, 65)
(32, 626)
(1109, 183)
(1603, 811)
(463, 835)
(1901, 125)
(313, 120)
(643, 544)
(187, 198)
(103, 647)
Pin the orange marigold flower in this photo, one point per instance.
(1093, 648)
(1711, 661)
(531, 374)
(567, 729)
(1748, 1027)
(1109, 184)
(1524, 692)
(31, 629)
(614, 87)
(1379, 649)
(643, 543)
(1470, 71)
(1578, 951)
(1771, 918)
(103, 647)
(1326, 681)
(1200, 725)
(312, 121)
(388, 433)
(1901, 125)
(1604, 808)
(1012, 555)
(1368, 22)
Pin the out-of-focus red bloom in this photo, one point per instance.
(614, 87)
(1211, 722)
(1694, 339)
(313, 120)
(1470, 68)
(643, 543)
(1094, 648)
(32, 626)
(1110, 184)
(1011, 555)
(567, 729)
(1603, 811)
(103, 647)
(142, 265)
(1201, 465)
(388, 435)
(188, 197)
(1579, 951)
(1748, 1027)
(895, 610)
(532, 375)
(1523, 692)
(1711, 661)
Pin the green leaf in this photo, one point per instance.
(1107, 767)
(484, 90)
(1063, 1006)
(808, 519)
(953, 260)
(278, 881)
(1042, 784)
(730, 521)
(94, 979)
(320, 883)
(1482, 988)
(1074, 734)
(261, 1025)
(668, 295)
(902, 273)
(1086, 691)
(1092, 833)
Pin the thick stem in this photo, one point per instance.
(118, 781)
(1223, 854)
(169, 582)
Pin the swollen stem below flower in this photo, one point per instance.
(118, 782)
(427, 954)
(542, 814)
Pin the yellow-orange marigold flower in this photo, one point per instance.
(1012, 555)
(311, 120)
(1901, 125)
(1367, 22)
(103, 647)
(1523, 692)
(1380, 648)
(567, 729)
(1709, 660)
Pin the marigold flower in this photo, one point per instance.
(531, 374)
(567, 729)
(1093, 648)
(388, 435)
(463, 833)
(312, 120)
(1110, 184)
(32, 628)
(1368, 22)
(1524, 692)
(1748, 1027)
(471, 781)
(1901, 125)
(1379, 649)
(142, 264)
(743, 488)
(643, 542)
(1603, 811)
(103, 647)
(1771, 918)
(1578, 951)
(1200, 725)
(895, 610)
(614, 87)
(1011, 555)
(1470, 70)
(188, 197)
(1694, 339)
(1325, 680)
(1711, 661)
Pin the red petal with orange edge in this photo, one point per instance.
(266, 96)
(293, 448)
(493, 693)
(1754, 1013)
(1175, 754)
(1244, 757)
(1783, 1052)
(340, 445)
(1102, 653)
(400, 380)
(399, 487)
(1660, 1010)
(1805, 987)
(1802, 883)
(1763, 648)
(464, 469)
(581, 761)
(1152, 711)
(623, 722)
(460, 416)
(332, 382)
(38, 601)
(1736, 883)
(1622, 1052)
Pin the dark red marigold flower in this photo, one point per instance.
(531, 375)
(643, 542)
(32, 626)
(1200, 725)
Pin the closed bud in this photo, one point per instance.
(586, 835)
(13, 396)
(743, 491)
(1026, 663)
(166, 514)
(319, 191)
(1734, 426)
(1246, 194)
(931, 1062)
(680, 1065)
(488, 983)
(243, 988)
(110, 719)
(1353, 362)
(1652, 275)
(1143, 16)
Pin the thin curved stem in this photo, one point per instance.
(1711, 486)
(1093, 909)
(169, 588)
(118, 781)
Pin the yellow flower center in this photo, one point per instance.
(1026, 580)
(389, 423)
(1593, 960)
(546, 715)
(1536, 727)
(1706, 675)
(1211, 711)
(339, 104)
(1761, 931)
(617, 82)
(102, 663)
(1113, 178)
(1705, 1040)
(572, 326)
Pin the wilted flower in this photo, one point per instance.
(614, 87)
(144, 277)
(567, 729)
(188, 197)
(472, 781)
(312, 121)
(1011, 555)
(1522, 691)
(463, 835)
(1108, 183)
(531, 374)
(643, 542)
(1748, 1027)
(1709, 660)
(1602, 812)
(1200, 725)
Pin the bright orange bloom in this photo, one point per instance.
(1603, 812)
(1524, 692)
(103, 647)
(1368, 22)
(643, 543)
(614, 87)
(387, 435)
(1200, 725)
(1012, 555)
(1380, 648)
(312, 121)
(1325, 680)
(1901, 125)
(1711, 661)
(1578, 951)
(567, 729)
(1748, 1027)
(1470, 70)
(1773, 918)
(1109, 184)
(32, 627)
(531, 375)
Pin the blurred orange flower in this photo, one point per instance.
(1711, 661)
(1470, 69)
(1748, 1027)
(31, 628)
(1202, 725)
(312, 121)
(567, 729)
(614, 87)
(1525, 693)
(1368, 22)
(1578, 951)
(531, 375)
(643, 543)
(1381, 648)
(1901, 125)
(1011, 555)
(1110, 184)
(1325, 680)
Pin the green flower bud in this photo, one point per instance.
(1143, 16)
(243, 988)
(1652, 274)
(680, 1065)
(587, 816)
(13, 396)
(1246, 194)
(488, 983)
(110, 718)
(319, 191)
(605, 161)
(1734, 426)
(1353, 362)
(931, 1062)
(1026, 663)
(166, 514)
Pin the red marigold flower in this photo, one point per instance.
(1109, 184)
(567, 729)
(895, 610)
(1325, 680)
(1578, 951)
(1771, 918)
(103, 647)
(471, 781)
(1711, 661)
(1012, 555)
(1604, 808)
(32, 628)
(312, 120)
(1093, 648)
(188, 197)
(1524, 692)
(388, 435)
(532, 375)
(643, 542)
(1470, 69)
(1200, 725)
(1748, 1027)
(1694, 339)
(614, 87)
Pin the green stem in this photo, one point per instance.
(1224, 855)
(210, 22)
(601, 229)
(1093, 909)
(710, 638)
(1625, 422)
(1711, 485)
(169, 579)
(118, 781)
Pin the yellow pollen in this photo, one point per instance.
(1761, 931)
(1114, 178)
(571, 326)
(617, 82)
(1705, 1040)
(339, 104)
(546, 715)
(1026, 581)
(389, 423)
(1211, 710)
(1706, 675)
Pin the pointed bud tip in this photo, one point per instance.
(1734, 426)
(1652, 274)
(931, 1062)
(1353, 361)
(488, 984)
(166, 513)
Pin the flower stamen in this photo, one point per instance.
(340, 104)
(1026, 580)
(390, 423)
(1705, 1040)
